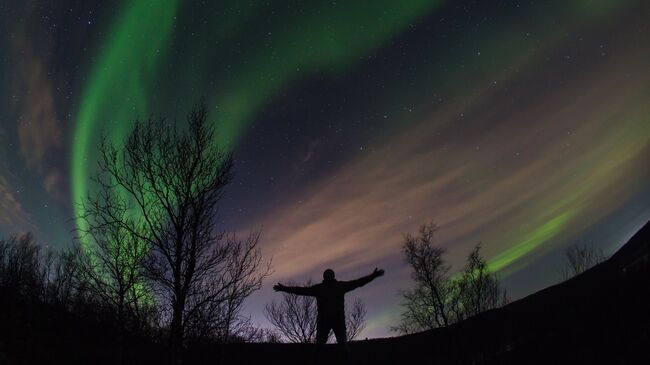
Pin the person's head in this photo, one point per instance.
(328, 275)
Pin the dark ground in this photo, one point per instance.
(600, 316)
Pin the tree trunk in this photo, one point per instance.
(121, 329)
(176, 335)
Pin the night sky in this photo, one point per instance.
(524, 125)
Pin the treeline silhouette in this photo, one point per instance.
(47, 315)
(50, 313)
(150, 266)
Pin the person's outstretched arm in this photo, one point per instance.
(298, 290)
(353, 284)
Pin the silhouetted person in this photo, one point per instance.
(330, 303)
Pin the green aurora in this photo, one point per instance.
(128, 66)
(122, 78)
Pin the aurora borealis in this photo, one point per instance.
(522, 125)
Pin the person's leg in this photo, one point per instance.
(342, 339)
(322, 332)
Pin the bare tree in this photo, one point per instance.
(427, 305)
(23, 268)
(247, 332)
(64, 284)
(269, 335)
(173, 180)
(478, 289)
(28, 270)
(213, 308)
(437, 299)
(112, 262)
(355, 319)
(295, 317)
(20, 266)
(579, 258)
(113, 255)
